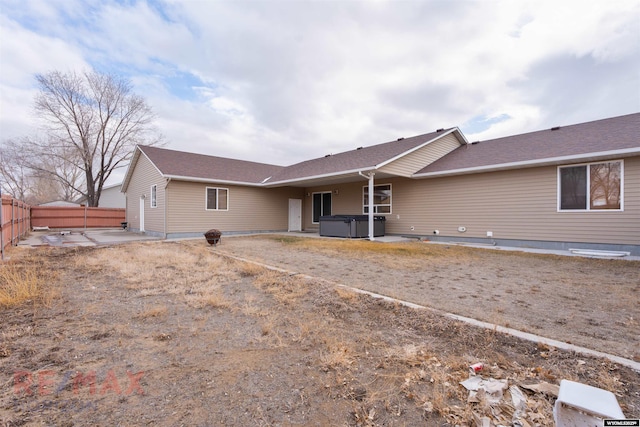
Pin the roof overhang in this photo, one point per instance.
(132, 164)
(212, 181)
(575, 158)
(129, 172)
(342, 178)
(353, 175)
(328, 178)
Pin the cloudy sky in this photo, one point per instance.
(285, 81)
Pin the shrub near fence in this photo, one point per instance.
(76, 217)
(15, 221)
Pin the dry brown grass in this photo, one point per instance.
(346, 294)
(171, 267)
(152, 312)
(182, 269)
(284, 288)
(338, 354)
(381, 376)
(248, 269)
(406, 255)
(216, 300)
(413, 249)
(251, 307)
(26, 281)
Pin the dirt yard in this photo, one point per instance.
(177, 333)
(593, 303)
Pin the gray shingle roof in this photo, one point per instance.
(358, 159)
(618, 133)
(614, 134)
(180, 164)
(198, 166)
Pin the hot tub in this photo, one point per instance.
(350, 226)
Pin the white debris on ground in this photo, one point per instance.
(497, 403)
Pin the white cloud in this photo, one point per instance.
(286, 81)
(24, 53)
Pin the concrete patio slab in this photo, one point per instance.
(82, 237)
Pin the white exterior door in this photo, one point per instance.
(295, 214)
(141, 214)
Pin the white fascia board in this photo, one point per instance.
(111, 186)
(212, 181)
(393, 159)
(314, 177)
(530, 163)
(132, 163)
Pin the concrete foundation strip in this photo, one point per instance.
(514, 332)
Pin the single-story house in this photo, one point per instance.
(60, 203)
(574, 186)
(110, 197)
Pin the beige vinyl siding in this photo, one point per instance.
(143, 177)
(250, 208)
(515, 204)
(410, 164)
(347, 201)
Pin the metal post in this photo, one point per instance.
(1, 225)
(13, 216)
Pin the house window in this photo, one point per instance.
(217, 199)
(154, 198)
(590, 187)
(321, 205)
(381, 199)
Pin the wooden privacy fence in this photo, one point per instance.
(14, 221)
(76, 217)
(17, 218)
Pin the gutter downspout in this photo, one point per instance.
(166, 202)
(370, 178)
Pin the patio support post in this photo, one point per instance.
(370, 176)
(371, 224)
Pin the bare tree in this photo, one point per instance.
(58, 164)
(92, 123)
(15, 175)
(36, 178)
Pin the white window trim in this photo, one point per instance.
(153, 200)
(588, 165)
(320, 192)
(365, 205)
(206, 191)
